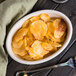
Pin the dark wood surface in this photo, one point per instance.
(69, 9)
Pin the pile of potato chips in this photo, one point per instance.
(39, 36)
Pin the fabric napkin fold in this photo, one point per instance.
(10, 12)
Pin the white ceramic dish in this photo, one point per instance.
(52, 13)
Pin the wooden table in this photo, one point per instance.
(68, 9)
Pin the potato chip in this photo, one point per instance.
(52, 19)
(26, 23)
(30, 38)
(56, 23)
(25, 43)
(50, 29)
(17, 44)
(55, 44)
(28, 41)
(47, 46)
(45, 17)
(36, 51)
(35, 18)
(27, 57)
(38, 29)
(20, 34)
(19, 51)
(59, 32)
(28, 48)
(50, 36)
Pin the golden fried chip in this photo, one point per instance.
(50, 29)
(20, 34)
(28, 41)
(59, 32)
(30, 38)
(27, 57)
(38, 29)
(50, 36)
(47, 46)
(17, 44)
(25, 43)
(19, 51)
(26, 23)
(52, 19)
(56, 22)
(35, 18)
(45, 17)
(22, 50)
(55, 44)
(36, 51)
